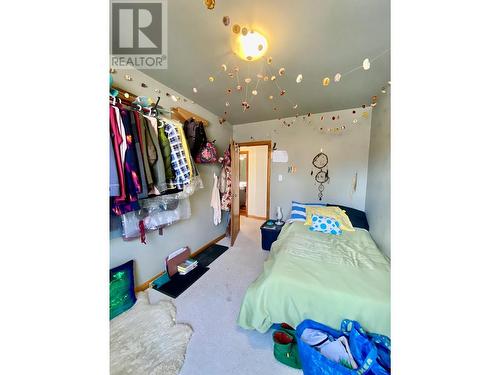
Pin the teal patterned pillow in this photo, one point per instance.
(121, 289)
(325, 224)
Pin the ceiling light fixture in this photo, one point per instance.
(250, 46)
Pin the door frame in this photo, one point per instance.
(246, 190)
(267, 143)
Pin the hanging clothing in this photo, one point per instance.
(165, 151)
(178, 157)
(114, 182)
(135, 135)
(143, 134)
(215, 202)
(131, 170)
(226, 197)
(117, 140)
(156, 161)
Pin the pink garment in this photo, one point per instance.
(117, 143)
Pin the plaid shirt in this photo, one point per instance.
(179, 161)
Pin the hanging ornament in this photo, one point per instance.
(383, 90)
(321, 118)
(248, 80)
(128, 77)
(282, 92)
(210, 4)
(326, 81)
(227, 104)
(157, 91)
(174, 98)
(226, 20)
(269, 60)
(236, 29)
(244, 31)
(337, 77)
(126, 95)
(266, 78)
(365, 114)
(299, 78)
(144, 85)
(295, 106)
(230, 75)
(281, 71)
(271, 97)
(343, 127)
(254, 92)
(354, 111)
(273, 78)
(333, 117)
(224, 67)
(195, 90)
(238, 87)
(366, 64)
(211, 79)
(112, 70)
(228, 91)
(364, 105)
(355, 121)
(260, 47)
(236, 69)
(275, 109)
(374, 101)
(389, 83)
(249, 58)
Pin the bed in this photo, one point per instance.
(327, 278)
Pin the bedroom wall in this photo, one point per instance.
(378, 194)
(257, 173)
(347, 153)
(197, 230)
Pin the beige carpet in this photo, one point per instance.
(211, 305)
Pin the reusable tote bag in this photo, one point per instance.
(363, 349)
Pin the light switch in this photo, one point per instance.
(280, 177)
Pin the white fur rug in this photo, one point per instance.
(146, 340)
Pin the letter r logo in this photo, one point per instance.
(136, 28)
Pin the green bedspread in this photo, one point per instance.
(327, 278)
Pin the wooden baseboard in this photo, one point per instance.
(257, 217)
(144, 286)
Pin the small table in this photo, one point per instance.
(270, 232)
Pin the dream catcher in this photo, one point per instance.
(320, 162)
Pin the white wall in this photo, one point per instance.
(257, 180)
(194, 232)
(347, 153)
(378, 195)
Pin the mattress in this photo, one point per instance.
(324, 277)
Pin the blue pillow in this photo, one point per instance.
(121, 289)
(299, 210)
(325, 224)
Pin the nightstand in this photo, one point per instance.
(269, 232)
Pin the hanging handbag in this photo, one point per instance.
(207, 154)
(364, 348)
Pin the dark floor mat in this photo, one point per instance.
(209, 255)
(179, 283)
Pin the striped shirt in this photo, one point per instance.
(178, 157)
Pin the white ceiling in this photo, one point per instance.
(316, 38)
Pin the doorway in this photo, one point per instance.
(255, 177)
(244, 182)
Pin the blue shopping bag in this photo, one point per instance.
(364, 348)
